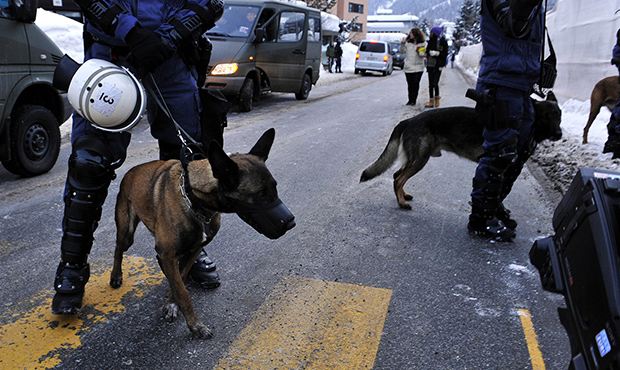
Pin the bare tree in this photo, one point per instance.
(323, 5)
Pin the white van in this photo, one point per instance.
(375, 56)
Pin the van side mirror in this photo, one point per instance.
(259, 35)
(24, 10)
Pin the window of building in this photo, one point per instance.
(356, 8)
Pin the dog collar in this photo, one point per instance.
(195, 204)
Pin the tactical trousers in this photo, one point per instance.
(508, 143)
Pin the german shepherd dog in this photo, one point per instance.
(454, 129)
(606, 93)
(153, 193)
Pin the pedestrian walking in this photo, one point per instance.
(436, 59)
(452, 57)
(512, 35)
(414, 47)
(156, 39)
(330, 56)
(338, 57)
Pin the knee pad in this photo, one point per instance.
(90, 167)
(90, 174)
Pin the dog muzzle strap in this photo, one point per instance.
(272, 220)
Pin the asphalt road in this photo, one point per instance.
(357, 283)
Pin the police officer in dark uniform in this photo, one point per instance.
(159, 38)
(613, 127)
(512, 33)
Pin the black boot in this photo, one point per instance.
(69, 285)
(503, 214)
(492, 229)
(203, 272)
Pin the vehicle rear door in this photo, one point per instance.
(313, 46)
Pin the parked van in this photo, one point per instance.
(374, 56)
(261, 46)
(31, 110)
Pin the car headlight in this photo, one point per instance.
(225, 69)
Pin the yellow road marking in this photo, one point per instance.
(312, 324)
(536, 357)
(34, 338)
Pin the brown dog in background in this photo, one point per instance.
(153, 193)
(606, 93)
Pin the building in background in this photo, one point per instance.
(390, 23)
(348, 10)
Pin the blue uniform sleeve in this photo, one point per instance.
(515, 17)
(190, 21)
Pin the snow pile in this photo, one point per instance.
(330, 22)
(468, 59)
(560, 160)
(65, 32)
(583, 34)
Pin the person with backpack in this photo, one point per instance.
(436, 59)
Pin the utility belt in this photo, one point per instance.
(493, 113)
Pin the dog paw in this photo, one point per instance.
(405, 206)
(116, 282)
(171, 311)
(201, 331)
(408, 197)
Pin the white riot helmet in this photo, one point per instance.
(110, 97)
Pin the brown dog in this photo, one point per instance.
(184, 218)
(606, 93)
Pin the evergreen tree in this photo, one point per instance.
(467, 30)
(323, 5)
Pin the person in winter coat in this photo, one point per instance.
(512, 35)
(436, 59)
(338, 57)
(414, 48)
(330, 56)
(154, 38)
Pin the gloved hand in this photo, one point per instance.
(147, 50)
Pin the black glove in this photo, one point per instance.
(147, 50)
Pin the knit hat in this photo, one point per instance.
(437, 30)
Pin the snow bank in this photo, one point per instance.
(583, 34)
(468, 59)
(65, 32)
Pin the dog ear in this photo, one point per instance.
(224, 169)
(263, 145)
(551, 97)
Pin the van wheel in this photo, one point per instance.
(35, 141)
(246, 96)
(356, 71)
(304, 90)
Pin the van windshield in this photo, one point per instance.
(373, 47)
(237, 21)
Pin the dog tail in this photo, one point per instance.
(387, 158)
